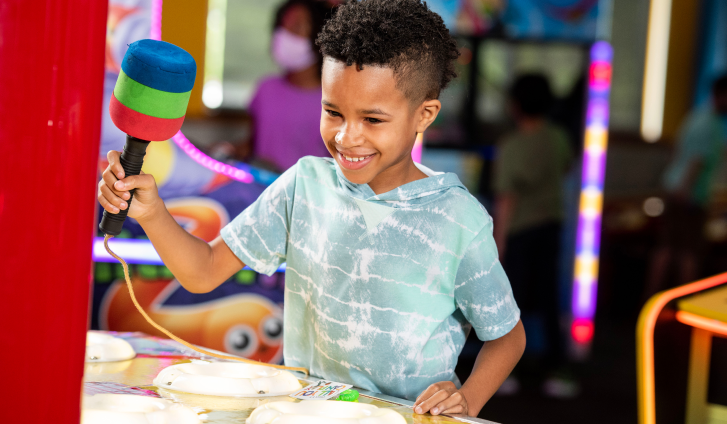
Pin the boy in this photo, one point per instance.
(389, 265)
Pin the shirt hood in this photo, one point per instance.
(414, 193)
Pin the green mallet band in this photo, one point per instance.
(150, 101)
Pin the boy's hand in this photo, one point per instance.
(440, 398)
(113, 189)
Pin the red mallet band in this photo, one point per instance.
(142, 126)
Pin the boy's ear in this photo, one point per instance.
(428, 112)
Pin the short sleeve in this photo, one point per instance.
(504, 169)
(259, 235)
(482, 291)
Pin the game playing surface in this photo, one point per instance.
(154, 354)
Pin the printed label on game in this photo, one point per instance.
(321, 390)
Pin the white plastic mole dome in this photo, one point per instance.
(104, 348)
(227, 379)
(323, 412)
(131, 409)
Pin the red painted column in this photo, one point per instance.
(51, 80)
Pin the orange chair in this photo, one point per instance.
(706, 313)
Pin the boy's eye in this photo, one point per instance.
(332, 113)
(374, 120)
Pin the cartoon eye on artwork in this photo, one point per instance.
(241, 340)
(244, 324)
(271, 330)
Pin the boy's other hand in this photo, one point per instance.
(441, 398)
(113, 189)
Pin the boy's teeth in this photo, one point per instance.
(350, 159)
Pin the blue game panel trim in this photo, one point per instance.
(134, 251)
(160, 65)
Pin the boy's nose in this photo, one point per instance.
(348, 136)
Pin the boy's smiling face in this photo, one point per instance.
(369, 126)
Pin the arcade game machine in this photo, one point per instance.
(203, 195)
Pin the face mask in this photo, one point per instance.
(292, 52)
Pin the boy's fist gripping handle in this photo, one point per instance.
(148, 103)
(132, 158)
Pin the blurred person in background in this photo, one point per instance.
(688, 180)
(530, 168)
(295, 95)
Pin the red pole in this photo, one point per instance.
(51, 81)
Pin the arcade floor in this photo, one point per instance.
(608, 380)
(607, 393)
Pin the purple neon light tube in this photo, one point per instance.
(588, 238)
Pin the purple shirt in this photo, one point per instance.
(287, 122)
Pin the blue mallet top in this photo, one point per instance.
(160, 65)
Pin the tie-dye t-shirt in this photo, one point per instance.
(380, 290)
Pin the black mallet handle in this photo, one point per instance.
(132, 158)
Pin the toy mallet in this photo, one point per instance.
(148, 103)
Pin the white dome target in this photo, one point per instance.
(323, 411)
(132, 409)
(227, 379)
(104, 348)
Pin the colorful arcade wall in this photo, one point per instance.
(244, 315)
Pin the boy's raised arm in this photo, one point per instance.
(197, 265)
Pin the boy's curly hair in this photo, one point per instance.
(403, 35)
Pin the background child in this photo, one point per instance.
(389, 265)
(530, 171)
(285, 108)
